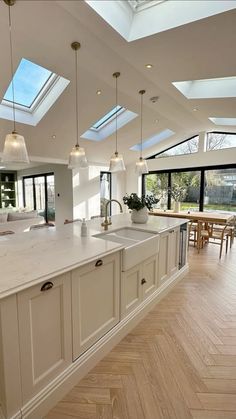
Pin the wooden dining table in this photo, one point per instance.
(207, 217)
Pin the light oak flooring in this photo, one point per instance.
(179, 362)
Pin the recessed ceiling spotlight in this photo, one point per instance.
(98, 92)
(54, 137)
(156, 121)
(154, 99)
(195, 109)
(148, 66)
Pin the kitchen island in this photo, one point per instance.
(67, 300)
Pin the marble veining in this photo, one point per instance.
(32, 257)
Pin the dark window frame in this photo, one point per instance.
(184, 141)
(201, 169)
(105, 172)
(219, 132)
(173, 146)
(34, 191)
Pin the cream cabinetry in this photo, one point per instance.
(168, 263)
(95, 301)
(45, 328)
(137, 284)
(44, 316)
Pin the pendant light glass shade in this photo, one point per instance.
(141, 166)
(77, 157)
(116, 161)
(14, 150)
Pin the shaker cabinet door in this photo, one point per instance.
(131, 291)
(95, 301)
(45, 333)
(149, 276)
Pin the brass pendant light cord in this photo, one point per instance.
(12, 79)
(76, 98)
(116, 75)
(141, 92)
(116, 112)
(141, 127)
(75, 46)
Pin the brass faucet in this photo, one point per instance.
(106, 223)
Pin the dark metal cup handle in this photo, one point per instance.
(99, 262)
(47, 286)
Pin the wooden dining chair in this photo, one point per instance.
(220, 234)
(203, 234)
(192, 232)
(230, 229)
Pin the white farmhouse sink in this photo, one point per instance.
(139, 244)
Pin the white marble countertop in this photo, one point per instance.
(30, 258)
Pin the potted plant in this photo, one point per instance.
(139, 206)
(178, 193)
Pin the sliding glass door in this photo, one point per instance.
(189, 181)
(205, 188)
(220, 190)
(38, 194)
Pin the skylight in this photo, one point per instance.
(155, 139)
(135, 19)
(207, 88)
(36, 89)
(138, 5)
(106, 125)
(108, 117)
(29, 79)
(223, 121)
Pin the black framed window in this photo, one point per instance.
(105, 192)
(207, 188)
(39, 194)
(188, 146)
(220, 140)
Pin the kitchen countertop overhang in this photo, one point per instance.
(38, 255)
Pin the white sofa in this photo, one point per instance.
(19, 222)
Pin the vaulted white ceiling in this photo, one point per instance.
(43, 31)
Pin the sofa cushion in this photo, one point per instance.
(3, 217)
(13, 216)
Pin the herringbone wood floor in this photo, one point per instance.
(179, 362)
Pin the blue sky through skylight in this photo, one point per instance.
(29, 79)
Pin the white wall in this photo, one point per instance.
(86, 191)
(63, 188)
(200, 159)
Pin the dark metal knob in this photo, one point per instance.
(143, 281)
(47, 286)
(99, 262)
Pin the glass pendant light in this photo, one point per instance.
(141, 164)
(116, 160)
(77, 157)
(14, 150)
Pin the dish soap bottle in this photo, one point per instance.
(84, 229)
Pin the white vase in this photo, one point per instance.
(139, 217)
(177, 206)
